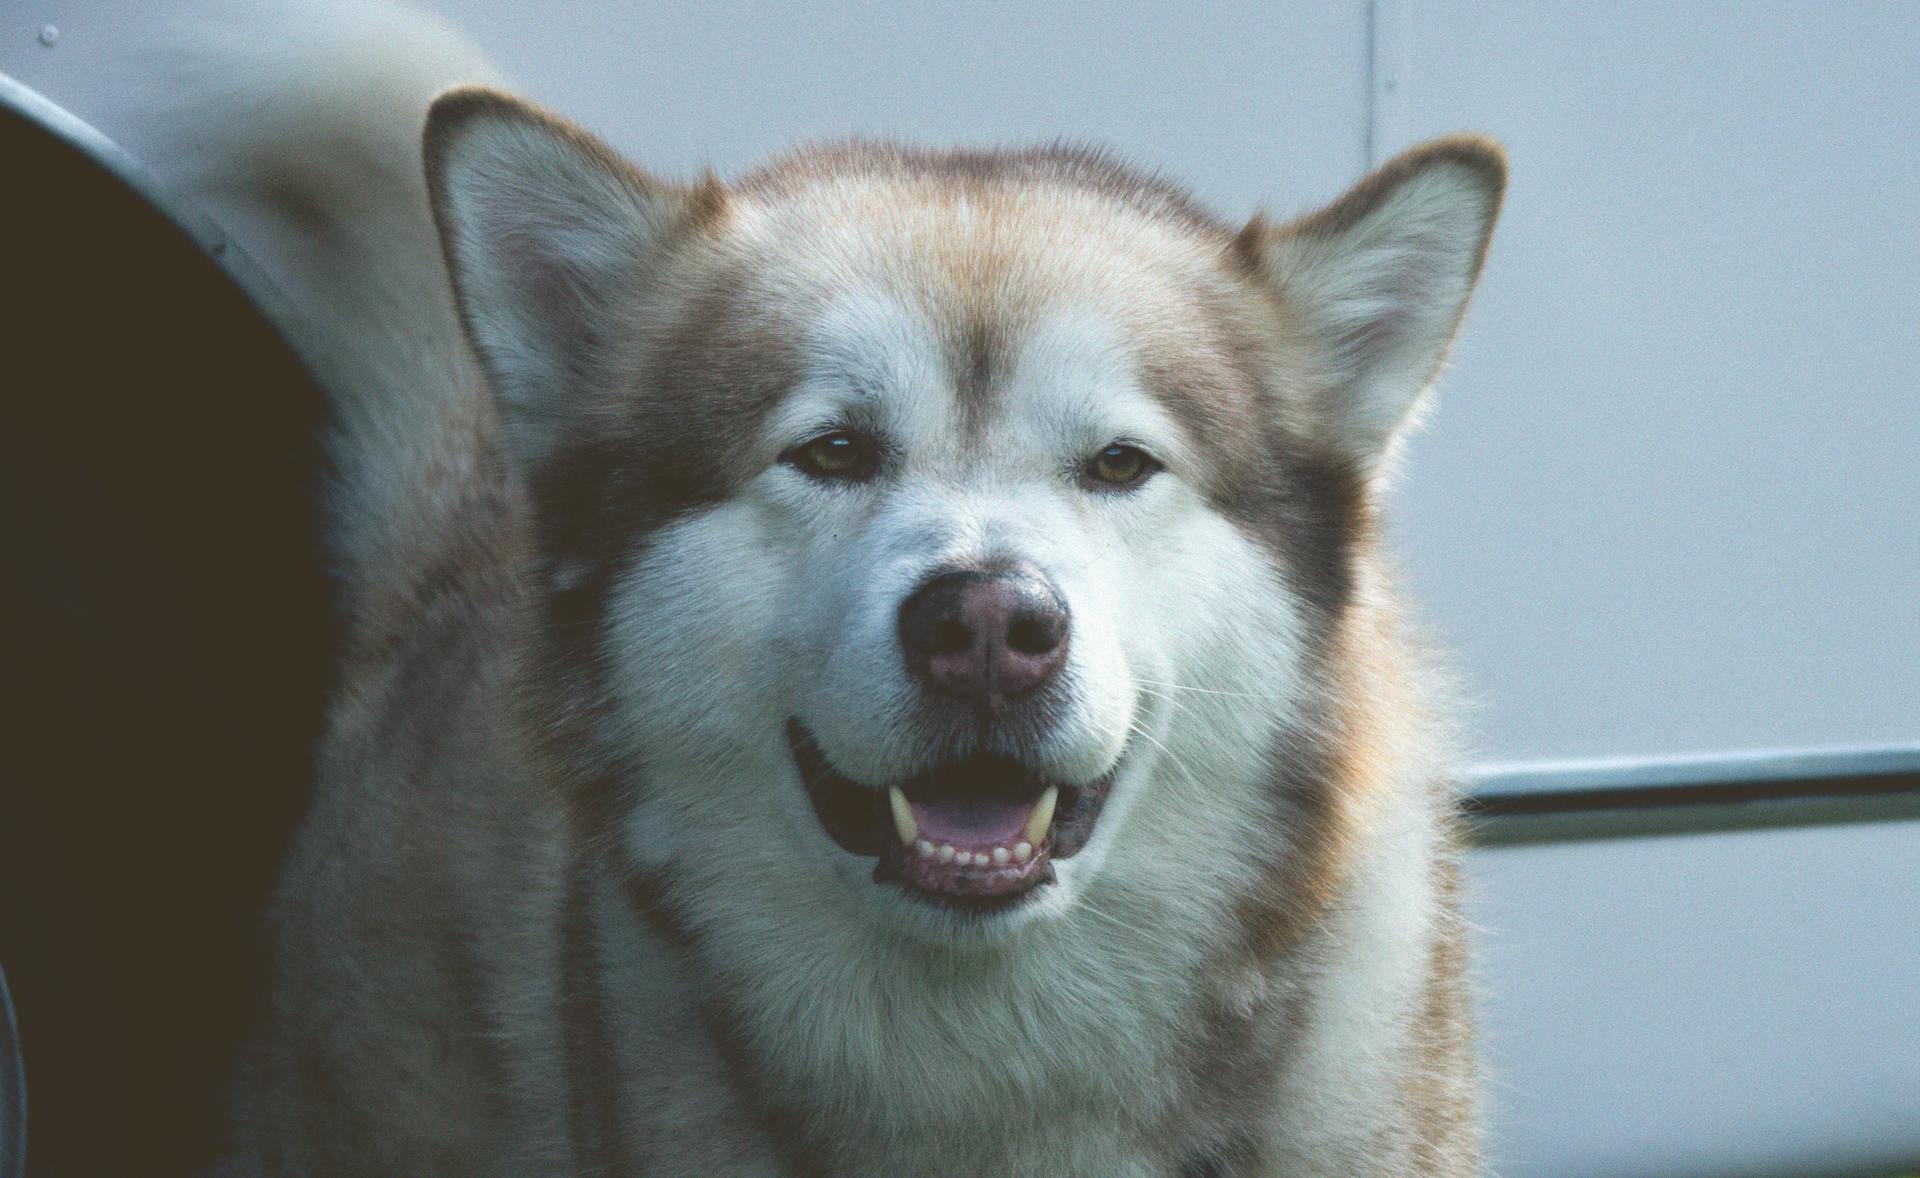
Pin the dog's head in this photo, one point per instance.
(921, 527)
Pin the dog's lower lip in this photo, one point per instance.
(978, 864)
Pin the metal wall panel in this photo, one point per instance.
(1670, 502)
(1253, 103)
(1703, 1005)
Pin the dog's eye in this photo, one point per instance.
(842, 455)
(1119, 467)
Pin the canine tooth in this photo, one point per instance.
(924, 849)
(1022, 850)
(1042, 816)
(1001, 854)
(946, 852)
(903, 823)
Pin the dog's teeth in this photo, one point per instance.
(903, 823)
(1042, 816)
(924, 849)
(1022, 851)
(1001, 854)
(946, 852)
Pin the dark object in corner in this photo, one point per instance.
(166, 631)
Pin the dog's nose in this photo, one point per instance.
(985, 636)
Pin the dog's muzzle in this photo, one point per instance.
(985, 646)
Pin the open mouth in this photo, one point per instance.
(977, 834)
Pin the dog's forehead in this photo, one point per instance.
(1007, 299)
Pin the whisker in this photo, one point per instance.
(1267, 697)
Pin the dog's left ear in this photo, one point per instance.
(1378, 280)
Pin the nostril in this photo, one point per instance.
(1036, 633)
(949, 637)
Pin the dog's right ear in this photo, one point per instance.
(549, 238)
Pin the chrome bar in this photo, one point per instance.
(1637, 797)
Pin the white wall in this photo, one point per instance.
(1671, 502)
(1668, 502)
(1733, 1004)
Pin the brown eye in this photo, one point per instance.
(842, 455)
(1119, 467)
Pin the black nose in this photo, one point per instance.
(987, 637)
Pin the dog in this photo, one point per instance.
(882, 665)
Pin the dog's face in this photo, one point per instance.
(935, 532)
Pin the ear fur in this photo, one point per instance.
(548, 236)
(1379, 280)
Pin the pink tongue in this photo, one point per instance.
(971, 822)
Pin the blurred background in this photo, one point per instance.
(1665, 513)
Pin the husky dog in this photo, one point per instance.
(880, 666)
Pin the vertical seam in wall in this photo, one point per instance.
(1368, 149)
(1386, 78)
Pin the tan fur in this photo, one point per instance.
(514, 939)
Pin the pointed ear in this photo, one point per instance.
(1379, 279)
(549, 237)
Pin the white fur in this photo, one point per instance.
(964, 1037)
(1036, 1043)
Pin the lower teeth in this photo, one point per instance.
(1019, 852)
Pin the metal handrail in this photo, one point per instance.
(1635, 797)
